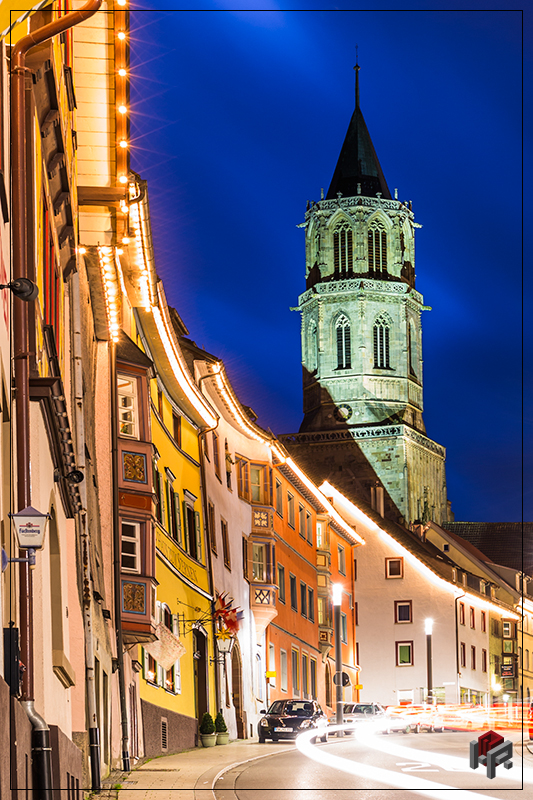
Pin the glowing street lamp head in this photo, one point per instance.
(336, 594)
(429, 625)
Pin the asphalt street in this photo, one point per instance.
(376, 767)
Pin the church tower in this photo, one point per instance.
(362, 333)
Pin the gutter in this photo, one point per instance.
(41, 751)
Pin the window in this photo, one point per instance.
(312, 353)
(341, 560)
(394, 567)
(344, 351)
(281, 583)
(211, 527)
(305, 675)
(404, 654)
(52, 284)
(243, 478)
(272, 663)
(509, 630)
(411, 336)
(245, 557)
(508, 647)
(303, 599)
(462, 613)
(191, 523)
(495, 627)
(356, 612)
(472, 657)
(176, 428)
(131, 546)
(225, 543)
(160, 403)
(483, 621)
(301, 521)
(343, 249)
(294, 596)
(484, 661)
(496, 665)
(323, 616)
(355, 569)
(294, 669)
(290, 509)
(175, 516)
(472, 617)
(128, 414)
(377, 249)
(216, 454)
(381, 342)
(320, 542)
(310, 604)
(403, 611)
(258, 562)
(462, 650)
(344, 628)
(328, 685)
(312, 664)
(309, 527)
(255, 484)
(150, 669)
(279, 498)
(283, 670)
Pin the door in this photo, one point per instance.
(200, 673)
(236, 688)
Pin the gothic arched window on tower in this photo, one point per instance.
(377, 249)
(344, 352)
(412, 349)
(381, 342)
(313, 348)
(343, 249)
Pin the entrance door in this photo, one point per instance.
(200, 673)
(236, 687)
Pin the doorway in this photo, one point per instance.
(236, 688)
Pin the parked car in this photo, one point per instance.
(285, 719)
(419, 718)
(392, 722)
(359, 712)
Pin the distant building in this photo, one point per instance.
(362, 343)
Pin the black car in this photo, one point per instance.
(285, 719)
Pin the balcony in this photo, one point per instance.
(325, 640)
(263, 605)
(138, 621)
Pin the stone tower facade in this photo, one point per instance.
(362, 333)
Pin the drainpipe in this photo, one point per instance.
(126, 766)
(41, 753)
(94, 732)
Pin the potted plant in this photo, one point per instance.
(221, 729)
(207, 731)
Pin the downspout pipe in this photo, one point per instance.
(126, 765)
(41, 751)
(85, 543)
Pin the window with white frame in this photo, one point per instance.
(258, 562)
(309, 527)
(403, 611)
(272, 662)
(404, 654)
(394, 567)
(130, 557)
(290, 509)
(128, 412)
(295, 671)
(344, 628)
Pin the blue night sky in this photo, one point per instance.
(237, 120)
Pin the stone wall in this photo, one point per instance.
(182, 731)
(20, 733)
(66, 767)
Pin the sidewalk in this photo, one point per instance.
(189, 775)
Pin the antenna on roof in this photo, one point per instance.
(357, 68)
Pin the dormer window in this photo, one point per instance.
(343, 249)
(377, 249)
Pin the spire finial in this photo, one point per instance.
(357, 68)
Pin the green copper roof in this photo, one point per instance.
(358, 164)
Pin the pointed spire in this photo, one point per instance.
(358, 162)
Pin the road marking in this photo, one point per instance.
(418, 766)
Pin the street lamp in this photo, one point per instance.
(429, 631)
(336, 593)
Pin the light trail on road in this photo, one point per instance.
(439, 791)
(365, 734)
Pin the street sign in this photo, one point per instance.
(358, 686)
(270, 673)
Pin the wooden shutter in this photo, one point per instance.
(198, 535)
(177, 516)
(145, 663)
(185, 527)
(266, 489)
(245, 557)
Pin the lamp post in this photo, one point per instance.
(429, 631)
(336, 592)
